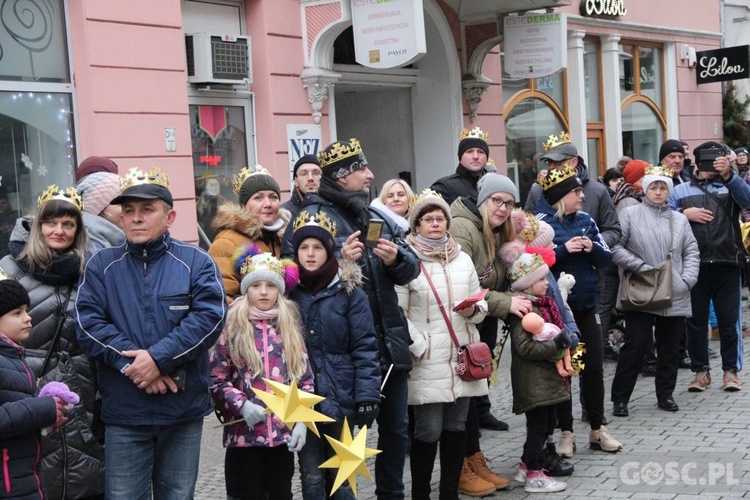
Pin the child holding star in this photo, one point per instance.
(261, 339)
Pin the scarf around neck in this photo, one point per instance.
(258, 315)
(356, 202)
(443, 250)
(319, 279)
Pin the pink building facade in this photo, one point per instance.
(110, 78)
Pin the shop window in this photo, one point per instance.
(37, 143)
(219, 145)
(592, 81)
(642, 132)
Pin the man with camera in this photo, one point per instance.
(368, 237)
(712, 202)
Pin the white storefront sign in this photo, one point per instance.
(302, 140)
(388, 33)
(535, 44)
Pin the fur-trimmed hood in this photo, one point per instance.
(350, 275)
(234, 217)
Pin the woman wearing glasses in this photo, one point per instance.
(437, 395)
(481, 226)
(580, 251)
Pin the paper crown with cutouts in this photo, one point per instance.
(254, 265)
(475, 133)
(554, 140)
(419, 203)
(657, 173)
(318, 226)
(527, 270)
(244, 174)
(339, 151)
(144, 185)
(319, 219)
(559, 182)
(474, 138)
(659, 170)
(53, 192)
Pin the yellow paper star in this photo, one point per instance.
(350, 457)
(576, 358)
(292, 405)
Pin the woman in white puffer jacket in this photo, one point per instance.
(439, 398)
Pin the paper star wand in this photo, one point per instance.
(576, 358)
(350, 457)
(292, 405)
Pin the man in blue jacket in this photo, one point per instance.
(148, 311)
(712, 202)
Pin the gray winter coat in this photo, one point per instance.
(646, 239)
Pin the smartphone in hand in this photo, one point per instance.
(374, 232)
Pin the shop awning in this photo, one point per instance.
(474, 10)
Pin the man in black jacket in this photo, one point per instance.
(388, 261)
(306, 175)
(473, 153)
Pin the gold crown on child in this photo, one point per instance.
(137, 177)
(659, 170)
(53, 192)
(340, 151)
(319, 219)
(244, 174)
(556, 176)
(475, 133)
(261, 261)
(553, 141)
(520, 269)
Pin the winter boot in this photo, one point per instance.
(478, 462)
(421, 462)
(452, 452)
(472, 485)
(553, 464)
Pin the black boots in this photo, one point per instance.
(452, 451)
(421, 461)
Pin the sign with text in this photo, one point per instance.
(535, 44)
(721, 65)
(603, 8)
(302, 140)
(388, 33)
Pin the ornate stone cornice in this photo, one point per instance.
(318, 83)
(473, 88)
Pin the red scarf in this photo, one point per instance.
(549, 310)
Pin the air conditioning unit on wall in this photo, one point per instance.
(218, 58)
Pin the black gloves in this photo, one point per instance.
(367, 413)
(562, 341)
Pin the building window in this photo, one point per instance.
(642, 92)
(37, 143)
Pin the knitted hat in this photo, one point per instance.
(532, 231)
(318, 226)
(707, 145)
(495, 183)
(474, 138)
(559, 182)
(95, 164)
(741, 150)
(653, 174)
(670, 146)
(303, 160)
(527, 270)
(249, 181)
(98, 190)
(635, 169)
(12, 294)
(254, 265)
(427, 201)
(341, 159)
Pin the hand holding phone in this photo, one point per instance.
(374, 232)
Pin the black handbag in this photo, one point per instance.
(649, 290)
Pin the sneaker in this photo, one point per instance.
(520, 476)
(731, 381)
(552, 464)
(701, 381)
(478, 463)
(566, 446)
(602, 440)
(472, 485)
(539, 482)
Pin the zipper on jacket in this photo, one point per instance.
(6, 472)
(145, 266)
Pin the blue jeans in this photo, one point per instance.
(315, 452)
(393, 421)
(139, 457)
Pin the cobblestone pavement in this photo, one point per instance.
(715, 424)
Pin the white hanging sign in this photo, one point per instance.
(535, 44)
(388, 33)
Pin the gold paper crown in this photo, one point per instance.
(553, 141)
(520, 269)
(340, 151)
(136, 177)
(261, 261)
(528, 233)
(4, 276)
(556, 176)
(427, 192)
(475, 133)
(659, 170)
(55, 193)
(320, 219)
(244, 174)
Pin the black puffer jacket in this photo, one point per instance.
(462, 183)
(22, 416)
(379, 279)
(73, 459)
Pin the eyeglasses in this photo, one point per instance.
(431, 220)
(499, 202)
(309, 173)
(578, 190)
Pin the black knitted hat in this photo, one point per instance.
(255, 183)
(12, 295)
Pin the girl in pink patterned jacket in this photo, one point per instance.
(261, 339)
